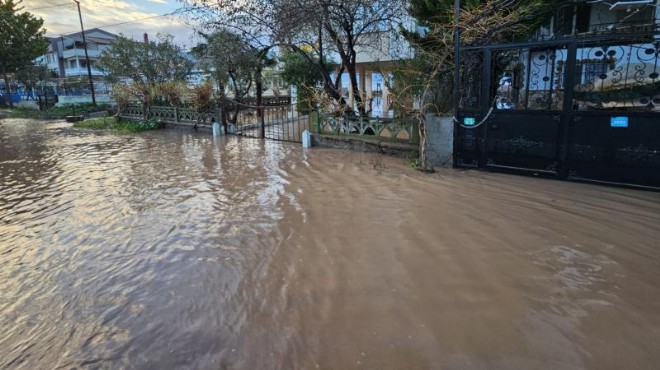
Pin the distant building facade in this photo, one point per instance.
(65, 56)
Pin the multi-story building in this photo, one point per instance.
(66, 53)
(377, 54)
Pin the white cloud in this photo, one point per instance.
(158, 1)
(112, 16)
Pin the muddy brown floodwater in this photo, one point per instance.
(170, 250)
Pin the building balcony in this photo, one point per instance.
(82, 71)
(383, 47)
(80, 53)
(642, 31)
(646, 28)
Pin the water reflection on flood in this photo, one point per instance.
(172, 250)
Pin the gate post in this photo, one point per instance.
(485, 103)
(567, 109)
(263, 124)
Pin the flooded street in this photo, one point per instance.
(169, 250)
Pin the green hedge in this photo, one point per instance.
(56, 112)
(111, 123)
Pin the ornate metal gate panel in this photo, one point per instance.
(281, 123)
(568, 109)
(527, 92)
(615, 130)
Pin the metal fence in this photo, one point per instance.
(387, 129)
(283, 123)
(171, 114)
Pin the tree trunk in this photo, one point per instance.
(223, 105)
(6, 79)
(424, 164)
(352, 76)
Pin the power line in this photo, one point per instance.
(138, 20)
(50, 6)
(22, 10)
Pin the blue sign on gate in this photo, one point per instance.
(621, 122)
(469, 121)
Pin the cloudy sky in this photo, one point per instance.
(131, 17)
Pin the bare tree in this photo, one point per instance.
(326, 27)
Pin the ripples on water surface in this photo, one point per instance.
(170, 250)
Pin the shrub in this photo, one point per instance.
(110, 123)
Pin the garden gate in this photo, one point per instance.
(278, 122)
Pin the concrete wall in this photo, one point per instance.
(402, 150)
(439, 140)
(81, 99)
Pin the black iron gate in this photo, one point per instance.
(282, 123)
(565, 108)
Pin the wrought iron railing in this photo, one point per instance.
(646, 29)
(170, 114)
(390, 129)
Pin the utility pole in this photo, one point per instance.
(89, 67)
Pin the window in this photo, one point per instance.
(590, 71)
(582, 18)
(563, 21)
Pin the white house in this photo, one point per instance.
(66, 53)
(626, 58)
(376, 55)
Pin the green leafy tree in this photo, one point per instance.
(145, 66)
(296, 71)
(21, 39)
(232, 62)
(30, 75)
(483, 21)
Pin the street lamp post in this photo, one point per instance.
(89, 67)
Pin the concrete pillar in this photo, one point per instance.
(363, 88)
(216, 129)
(368, 84)
(351, 97)
(368, 92)
(386, 93)
(306, 139)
